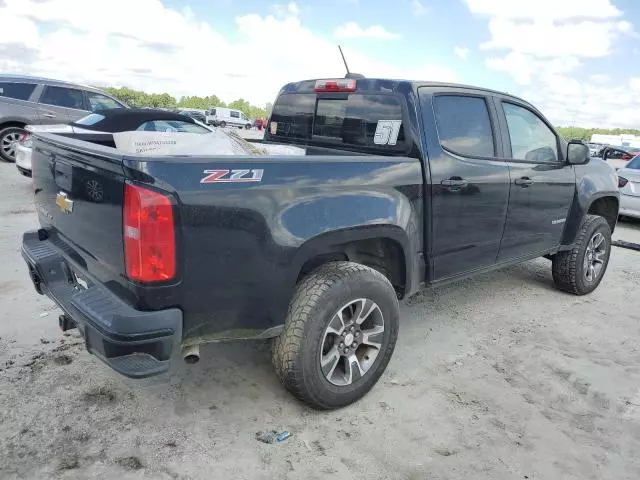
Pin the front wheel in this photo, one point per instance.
(339, 335)
(580, 270)
(223, 124)
(247, 126)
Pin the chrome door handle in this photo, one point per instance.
(523, 182)
(49, 115)
(454, 182)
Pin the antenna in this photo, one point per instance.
(349, 74)
(344, 60)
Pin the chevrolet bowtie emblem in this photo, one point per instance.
(64, 203)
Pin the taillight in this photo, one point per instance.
(622, 182)
(149, 235)
(337, 85)
(25, 139)
(626, 157)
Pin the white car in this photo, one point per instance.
(629, 185)
(108, 122)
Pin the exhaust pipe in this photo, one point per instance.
(191, 354)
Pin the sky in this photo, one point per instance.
(578, 61)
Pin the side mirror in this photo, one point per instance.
(577, 153)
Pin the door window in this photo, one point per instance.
(63, 97)
(463, 125)
(101, 102)
(17, 90)
(531, 139)
(235, 114)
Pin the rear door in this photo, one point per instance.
(16, 102)
(470, 180)
(61, 105)
(542, 182)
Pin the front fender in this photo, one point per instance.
(594, 180)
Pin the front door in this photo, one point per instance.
(61, 105)
(469, 181)
(542, 183)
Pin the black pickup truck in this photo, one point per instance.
(401, 184)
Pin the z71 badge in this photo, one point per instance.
(232, 176)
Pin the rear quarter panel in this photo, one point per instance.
(243, 244)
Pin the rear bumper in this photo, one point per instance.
(629, 206)
(134, 343)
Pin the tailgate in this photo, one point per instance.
(79, 191)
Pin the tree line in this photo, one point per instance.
(139, 99)
(571, 133)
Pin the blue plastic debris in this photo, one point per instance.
(272, 436)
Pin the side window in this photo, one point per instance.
(101, 102)
(63, 97)
(463, 124)
(17, 90)
(235, 114)
(531, 138)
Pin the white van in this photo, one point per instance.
(221, 117)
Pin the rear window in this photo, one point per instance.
(464, 127)
(374, 121)
(634, 163)
(17, 90)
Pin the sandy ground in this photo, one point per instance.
(498, 377)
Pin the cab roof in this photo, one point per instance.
(387, 85)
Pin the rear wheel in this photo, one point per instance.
(8, 140)
(580, 270)
(339, 335)
(223, 124)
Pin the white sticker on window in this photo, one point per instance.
(387, 132)
(274, 128)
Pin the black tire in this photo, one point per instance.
(319, 296)
(247, 126)
(568, 267)
(223, 124)
(8, 135)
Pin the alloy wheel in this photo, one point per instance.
(351, 342)
(594, 257)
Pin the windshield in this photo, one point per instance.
(634, 163)
(90, 119)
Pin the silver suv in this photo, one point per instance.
(40, 101)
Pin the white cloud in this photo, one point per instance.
(461, 52)
(64, 39)
(353, 30)
(599, 78)
(567, 101)
(293, 8)
(290, 8)
(418, 8)
(543, 44)
(544, 9)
